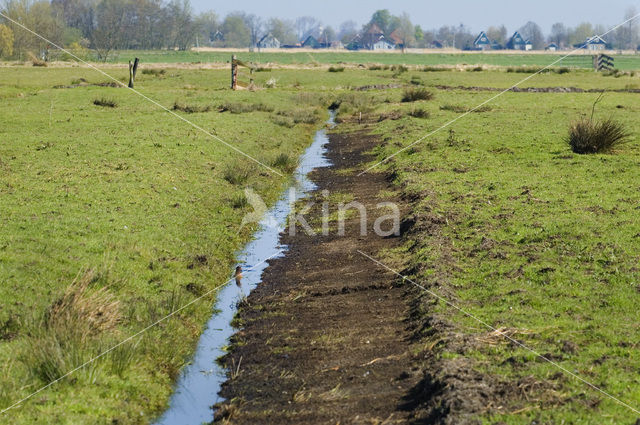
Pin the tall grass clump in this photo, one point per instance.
(284, 162)
(107, 103)
(336, 69)
(415, 94)
(237, 172)
(72, 330)
(589, 136)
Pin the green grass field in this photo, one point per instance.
(133, 200)
(531, 236)
(293, 57)
(524, 234)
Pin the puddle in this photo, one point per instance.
(197, 388)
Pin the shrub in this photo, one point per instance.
(589, 136)
(190, 109)
(336, 69)
(477, 69)
(433, 69)
(108, 103)
(415, 94)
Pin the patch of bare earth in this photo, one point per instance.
(324, 338)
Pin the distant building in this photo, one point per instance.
(517, 42)
(436, 44)
(372, 39)
(552, 47)
(482, 42)
(395, 39)
(382, 44)
(311, 43)
(269, 42)
(593, 43)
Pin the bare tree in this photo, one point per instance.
(559, 34)
(406, 31)
(305, 25)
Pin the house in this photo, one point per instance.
(216, 37)
(436, 44)
(593, 43)
(269, 42)
(311, 42)
(552, 47)
(382, 44)
(395, 39)
(482, 42)
(517, 42)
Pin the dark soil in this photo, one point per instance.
(325, 337)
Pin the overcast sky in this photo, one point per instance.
(477, 14)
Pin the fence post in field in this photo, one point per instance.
(133, 69)
(234, 73)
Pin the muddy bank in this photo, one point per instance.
(324, 338)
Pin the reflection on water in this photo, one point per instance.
(197, 388)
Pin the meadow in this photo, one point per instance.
(110, 204)
(514, 228)
(114, 214)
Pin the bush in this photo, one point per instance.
(589, 136)
(415, 94)
(336, 69)
(108, 103)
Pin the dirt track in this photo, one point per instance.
(324, 338)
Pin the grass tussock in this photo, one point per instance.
(589, 136)
(300, 116)
(462, 109)
(336, 69)
(284, 162)
(243, 108)
(74, 328)
(354, 103)
(419, 113)
(237, 172)
(429, 68)
(35, 61)
(416, 94)
(154, 71)
(190, 109)
(283, 121)
(107, 103)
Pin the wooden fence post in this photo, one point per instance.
(133, 69)
(234, 73)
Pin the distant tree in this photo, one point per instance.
(447, 35)
(183, 26)
(255, 25)
(327, 35)
(208, 24)
(78, 14)
(348, 30)
(559, 34)
(6, 41)
(581, 33)
(111, 23)
(463, 39)
(235, 30)
(428, 37)
(383, 19)
(305, 26)
(627, 35)
(418, 34)
(498, 34)
(406, 31)
(533, 33)
(38, 16)
(283, 30)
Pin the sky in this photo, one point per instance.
(477, 15)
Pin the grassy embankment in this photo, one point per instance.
(141, 210)
(513, 227)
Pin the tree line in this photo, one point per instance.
(106, 26)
